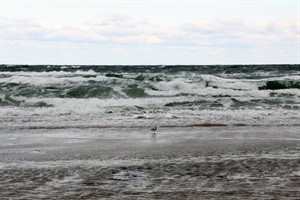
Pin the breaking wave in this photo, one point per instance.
(168, 94)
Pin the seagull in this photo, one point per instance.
(153, 128)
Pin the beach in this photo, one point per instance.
(84, 132)
(229, 162)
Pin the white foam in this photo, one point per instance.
(177, 88)
(93, 113)
(50, 79)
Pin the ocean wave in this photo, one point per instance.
(278, 85)
(156, 82)
(138, 95)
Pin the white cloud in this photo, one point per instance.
(111, 29)
(240, 33)
(125, 29)
(118, 31)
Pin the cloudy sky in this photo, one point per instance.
(149, 32)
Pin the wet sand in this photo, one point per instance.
(176, 163)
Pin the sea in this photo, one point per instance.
(83, 132)
(90, 96)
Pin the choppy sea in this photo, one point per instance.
(47, 96)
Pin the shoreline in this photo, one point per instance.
(189, 163)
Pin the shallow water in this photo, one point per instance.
(132, 163)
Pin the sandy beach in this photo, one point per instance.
(132, 163)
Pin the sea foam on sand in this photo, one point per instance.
(176, 163)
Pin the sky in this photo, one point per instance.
(157, 32)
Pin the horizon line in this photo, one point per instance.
(148, 64)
